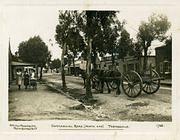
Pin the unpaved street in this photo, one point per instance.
(43, 104)
(47, 103)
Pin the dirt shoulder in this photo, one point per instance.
(155, 107)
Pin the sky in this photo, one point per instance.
(23, 22)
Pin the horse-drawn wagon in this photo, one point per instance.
(132, 82)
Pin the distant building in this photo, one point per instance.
(80, 65)
(20, 65)
(72, 69)
(164, 61)
(14, 65)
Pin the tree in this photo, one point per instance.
(168, 41)
(75, 44)
(69, 21)
(105, 28)
(154, 29)
(125, 44)
(61, 38)
(69, 61)
(85, 32)
(34, 51)
(15, 57)
(96, 24)
(55, 64)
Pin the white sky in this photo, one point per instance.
(23, 22)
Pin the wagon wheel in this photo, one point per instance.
(151, 82)
(132, 84)
(96, 83)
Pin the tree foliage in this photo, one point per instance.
(67, 33)
(168, 41)
(55, 64)
(104, 28)
(125, 44)
(34, 51)
(89, 33)
(154, 29)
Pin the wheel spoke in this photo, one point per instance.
(151, 83)
(132, 84)
(146, 88)
(129, 90)
(152, 88)
(154, 84)
(136, 89)
(149, 88)
(134, 93)
(126, 88)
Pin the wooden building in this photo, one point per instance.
(128, 63)
(164, 60)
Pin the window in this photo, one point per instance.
(167, 67)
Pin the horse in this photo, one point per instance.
(104, 77)
(108, 76)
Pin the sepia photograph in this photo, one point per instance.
(89, 65)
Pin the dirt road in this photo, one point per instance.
(48, 104)
(155, 107)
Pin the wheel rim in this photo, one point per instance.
(132, 84)
(151, 85)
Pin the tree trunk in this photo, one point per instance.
(145, 59)
(94, 59)
(69, 66)
(113, 61)
(88, 70)
(40, 78)
(62, 69)
(37, 72)
(74, 67)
